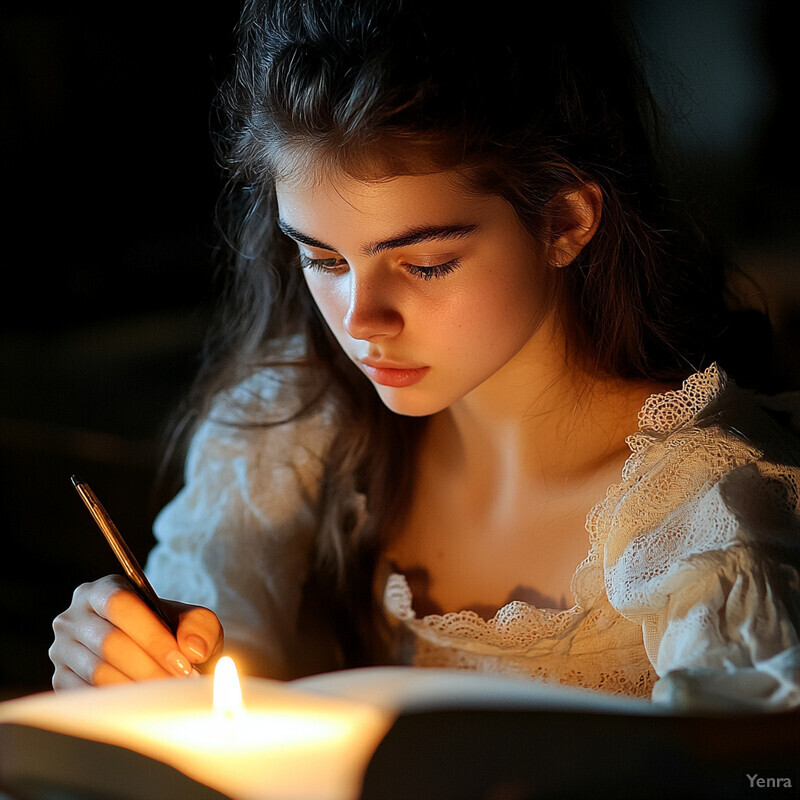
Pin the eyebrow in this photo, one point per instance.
(407, 238)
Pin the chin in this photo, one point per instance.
(408, 403)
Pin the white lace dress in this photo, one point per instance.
(690, 590)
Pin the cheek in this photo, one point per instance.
(330, 299)
(523, 286)
(507, 305)
(498, 297)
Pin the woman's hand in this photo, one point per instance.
(108, 635)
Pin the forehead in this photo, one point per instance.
(333, 199)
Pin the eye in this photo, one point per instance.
(435, 271)
(328, 266)
(339, 266)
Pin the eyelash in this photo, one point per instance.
(333, 266)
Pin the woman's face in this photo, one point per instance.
(433, 293)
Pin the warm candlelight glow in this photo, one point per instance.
(227, 690)
(250, 739)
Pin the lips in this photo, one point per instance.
(387, 373)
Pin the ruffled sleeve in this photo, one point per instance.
(702, 550)
(237, 538)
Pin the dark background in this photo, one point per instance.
(109, 182)
(109, 185)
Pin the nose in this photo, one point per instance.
(372, 311)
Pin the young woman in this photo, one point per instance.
(466, 326)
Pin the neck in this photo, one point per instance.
(541, 420)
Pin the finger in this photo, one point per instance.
(199, 634)
(114, 647)
(75, 664)
(125, 610)
(65, 678)
(106, 674)
(82, 667)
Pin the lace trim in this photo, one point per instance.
(517, 624)
(665, 412)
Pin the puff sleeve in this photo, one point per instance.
(238, 536)
(703, 552)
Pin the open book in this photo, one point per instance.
(383, 733)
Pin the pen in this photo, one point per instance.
(127, 560)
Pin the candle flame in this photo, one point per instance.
(227, 689)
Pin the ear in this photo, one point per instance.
(575, 217)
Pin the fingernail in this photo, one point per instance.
(178, 664)
(196, 647)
